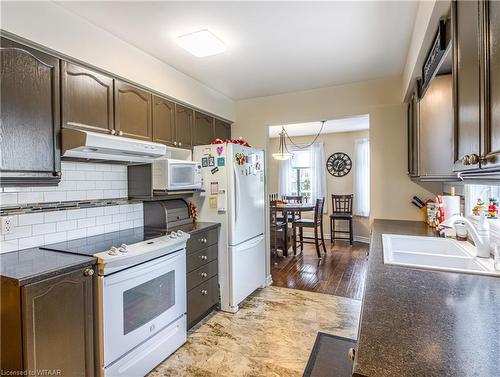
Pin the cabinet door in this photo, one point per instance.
(222, 130)
(183, 126)
(58, 324)
(87, 98)
(30, 120)
(413, 133)
(466, 58)
(436, 130)
(163, 121)
(133, 112)
(491, 141)
(203, 129)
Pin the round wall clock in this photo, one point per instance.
(339, 164)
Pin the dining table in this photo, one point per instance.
(286, 209)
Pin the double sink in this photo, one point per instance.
(434, 253)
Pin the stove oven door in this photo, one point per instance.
(140, 301)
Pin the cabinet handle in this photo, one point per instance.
(57, 173)
(204, 292)
(180, 144)
(112, 132)
(204, 257)
(203, 240)
(88, 272)
(175, 143)
(351, 354)
(203, 274)
(466, 160)
(120, 133)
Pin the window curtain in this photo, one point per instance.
(284, 177)
(318, 173)
(362, 177)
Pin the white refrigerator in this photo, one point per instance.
(233, 180)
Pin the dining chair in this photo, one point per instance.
(295, 199)
(277, 226)
(315, 223)
(341, 210)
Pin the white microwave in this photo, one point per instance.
(171, 175)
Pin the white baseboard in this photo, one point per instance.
(327, 237)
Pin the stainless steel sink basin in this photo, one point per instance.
(434, 253)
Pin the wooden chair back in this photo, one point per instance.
(318, 211)
(342, 204)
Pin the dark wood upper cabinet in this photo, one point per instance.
(133, 112)
(203, 129)
(163, 121)
(87, 98)
(222, 130)
(491, 124)
(466, 70)
(55, 336)
(184, 119)
(30, 116)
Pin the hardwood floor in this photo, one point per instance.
(341, 272)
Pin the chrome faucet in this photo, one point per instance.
(480, 237)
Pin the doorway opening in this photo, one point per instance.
(331, 162)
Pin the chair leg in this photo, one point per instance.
(322, 238)
(301, 235)
(331, 230)
(316, 242)
(294, 239)
(351, 233)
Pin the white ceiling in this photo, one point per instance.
(273, 47)
(355, 123)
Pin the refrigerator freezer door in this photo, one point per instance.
(248, 269)
(246, 194)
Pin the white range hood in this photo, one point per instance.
(95, 146)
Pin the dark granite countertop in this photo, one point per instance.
(195, 228)
(423, 322)
(31, 265)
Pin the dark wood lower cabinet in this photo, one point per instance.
(52, 321)
(202, 275)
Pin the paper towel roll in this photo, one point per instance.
(451, 206)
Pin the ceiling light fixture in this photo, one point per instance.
(201, 43)
(283, 152)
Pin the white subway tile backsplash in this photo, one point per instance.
(30, 219)
(25, 243)
(30, 197)
(66, 225)
(86, 223)
(76, 214)
(79, 181)
(52, 217)
(44, 228)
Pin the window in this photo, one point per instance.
(362, 177)
(300, 174)
(474, 192)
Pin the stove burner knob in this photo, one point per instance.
(113, 251)
(180, 233)
(173, 235)
(123, 248)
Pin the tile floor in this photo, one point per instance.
(271, 335)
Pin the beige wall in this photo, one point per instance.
(52, 26)
(336, 142)
(391, 189)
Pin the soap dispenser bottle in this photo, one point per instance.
(483, 231)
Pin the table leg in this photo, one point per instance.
(285, 234)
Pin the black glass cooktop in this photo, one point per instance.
(102, 242)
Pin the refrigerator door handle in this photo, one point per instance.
(236, 194)
(250, 245)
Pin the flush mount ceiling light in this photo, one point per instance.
(201, 43)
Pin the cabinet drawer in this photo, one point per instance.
(201, 274)
(201, 257)
(201, 299)
(202, 239)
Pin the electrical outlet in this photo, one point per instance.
(7, 224)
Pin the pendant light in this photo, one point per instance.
(282, 153)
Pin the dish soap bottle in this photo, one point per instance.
(483, 231)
